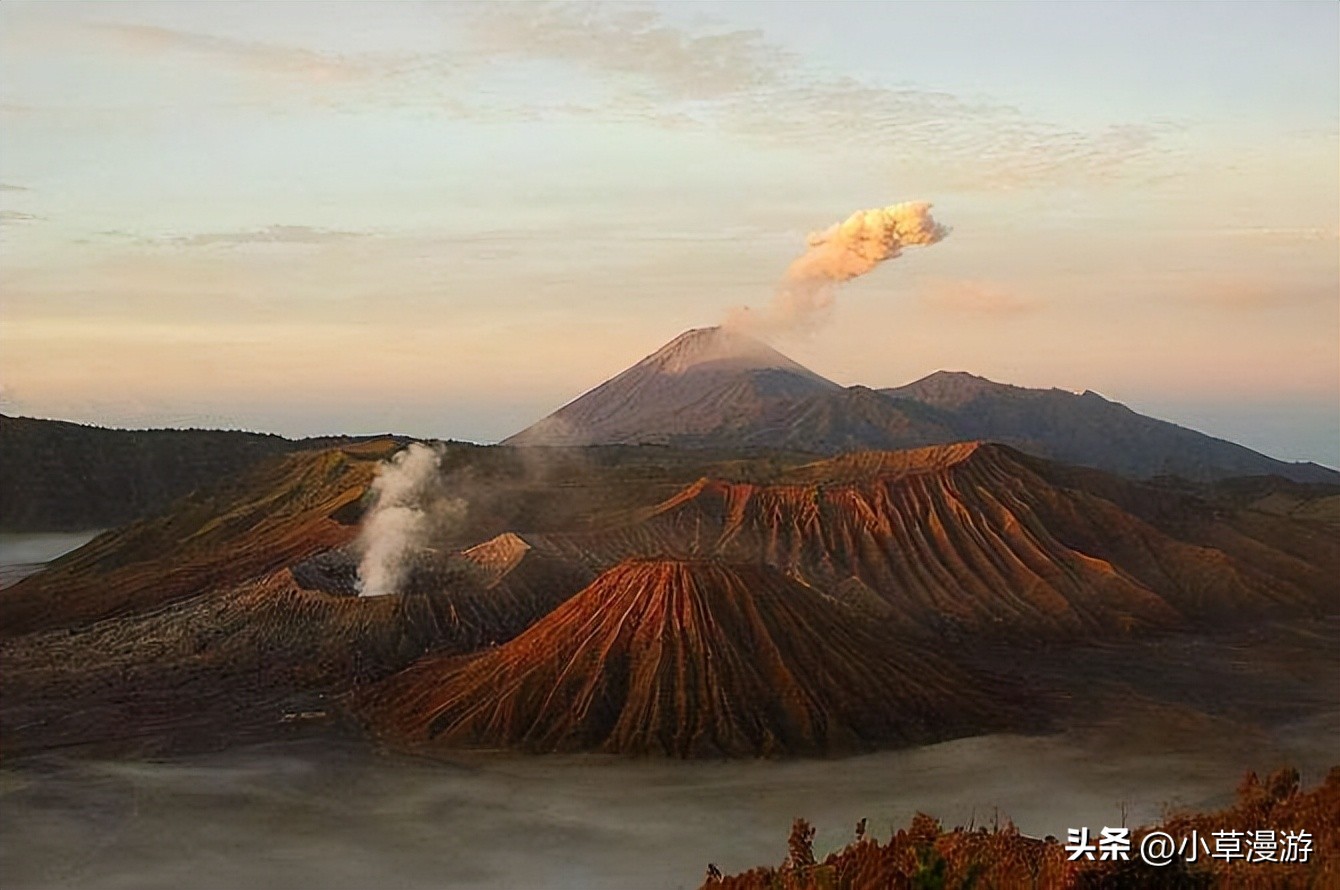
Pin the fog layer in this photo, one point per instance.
(335, 815)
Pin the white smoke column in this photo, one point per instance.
(399, 520)
(839, 253)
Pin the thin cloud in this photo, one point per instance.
(13, 217)
(1252, 296)
(632, 41)
(968, 297)
(735, 80)
(264, 58)
(645, 70)
(269, 235)
(1283, 234)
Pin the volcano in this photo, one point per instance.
(686, 658)
(820, 600)
(824, 610)
(982, 539)
(719, 389)
(704, 386)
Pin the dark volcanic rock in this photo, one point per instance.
(65, 476)
(1088, 430)
(705, 383)
(714, 388)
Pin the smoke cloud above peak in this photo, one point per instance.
(843, 251)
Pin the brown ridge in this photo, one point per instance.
(979, 537)
(280, 512)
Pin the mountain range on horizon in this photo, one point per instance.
(719, 388)
(710, 390)
(791, 567)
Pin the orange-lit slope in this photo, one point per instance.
(982, 538)
(508, 585)
(685, 658)
(277, 513)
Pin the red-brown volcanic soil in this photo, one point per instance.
(981, 538)
(779, 609)
(270, 517)
(685, 658)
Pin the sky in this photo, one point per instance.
(446, 220)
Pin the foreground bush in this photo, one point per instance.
(924, 856)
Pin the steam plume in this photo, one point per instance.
(407, 503)
(839, 253)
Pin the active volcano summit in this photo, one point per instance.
(720, 388)
(699, 388)
(719, 553)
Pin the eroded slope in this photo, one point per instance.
(686, 658)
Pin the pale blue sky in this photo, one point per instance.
(447, 220)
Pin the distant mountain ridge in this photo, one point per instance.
(57, 476)
(717, 388)
(709, 388)
(1089, 430)
(61, 476)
